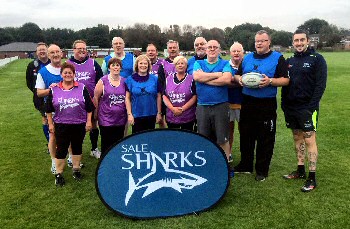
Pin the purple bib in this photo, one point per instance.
(179, 94)
(85, 74)
(156, 65)
(111, 107)
(69, 105)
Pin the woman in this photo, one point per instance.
(145, 97)
(109, 99)
(180, 97)
(72, 105)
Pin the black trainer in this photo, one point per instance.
(295, 175)
(260, 178)
(59, 180)
(240, 169)
(77, 175)
(309, 185)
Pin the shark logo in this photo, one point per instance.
(175, 179)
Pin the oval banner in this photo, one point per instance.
(162, 173)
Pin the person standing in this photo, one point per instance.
(110, 102)
(152, 54)
(31, 75)
(212, 76)
(300, 103)
(127, 59)
(234, 91)
(87, 72)
(48, 77)
(180, 97)
(259, 105)
(72, 105)
(144, 94)
(200, 45)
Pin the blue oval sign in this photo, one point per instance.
(162, 173)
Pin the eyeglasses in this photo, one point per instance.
(213, 47)
(199, 44)
(261, 41)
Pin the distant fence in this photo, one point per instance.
(5, 61)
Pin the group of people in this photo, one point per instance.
(204, 94)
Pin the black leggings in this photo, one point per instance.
(109, 136)
(182, 126)
(144, 123)
(69, 134)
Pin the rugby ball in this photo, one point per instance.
(251, 79)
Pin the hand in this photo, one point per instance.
(240, 81)
(177, 111)
(264, 82)
(88, 126)
(159, 118)
(53, 85)
(131, 120)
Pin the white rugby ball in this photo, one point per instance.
(251, 79)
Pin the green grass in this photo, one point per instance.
(29, 198)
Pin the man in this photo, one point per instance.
(300, 103)
(49, 76)
(259, 105)
(88, 72)
(127, 59)
(31, 75)
(167, 69)
(234, 91)
(152, 54)
(200, 49)
(212, 76)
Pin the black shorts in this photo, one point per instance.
(69, 134)
(304, 119)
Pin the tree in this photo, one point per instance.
(330, 35)
(118, 32)
(5, 37)
(30, 32)
(282, 38)
(314, 25)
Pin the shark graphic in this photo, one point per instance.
(174, 179)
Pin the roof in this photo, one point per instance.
(19, 47)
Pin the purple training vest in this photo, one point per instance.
(111, 108)
(69, 105)
(85, 73)
(156, 65)
(179, 95)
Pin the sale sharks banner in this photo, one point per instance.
(162, 173)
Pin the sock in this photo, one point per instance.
(46, 132)
(53, 161)
(301, 169)
(94, 138)
(312, 175)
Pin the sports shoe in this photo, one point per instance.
(309, 185)
(59, 180)
(95, 153)
(295, 175)
(70, 163)
(239, 169)
(260, 178)
(230, 158)
(53, 168)
(77, 175)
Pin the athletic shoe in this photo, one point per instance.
(95, 153)
(295, 175)
(77, 175)
(59, 180)
(53, 168)
(260, 178)
(70, 163)
(230, 158)
(309, 185)
(239, 169)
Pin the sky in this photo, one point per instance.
(80, 14)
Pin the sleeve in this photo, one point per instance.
(29, 77)
(196, 66)
(193, 88)
(321, 80)
(49, 105)
(98, 71)
(227, 68)
(40, 84)
(282, 68)
(104, 67)
(161, 78)
(89, 106)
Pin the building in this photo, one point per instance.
(20, 49)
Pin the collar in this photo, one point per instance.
(307, 52)
(262, 56)
(60, 85)
(78, 61)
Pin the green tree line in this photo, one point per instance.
(141, 34)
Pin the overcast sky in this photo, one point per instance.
(279, 15)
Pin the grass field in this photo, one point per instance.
(29, 198)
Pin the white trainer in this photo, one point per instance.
(95, 153)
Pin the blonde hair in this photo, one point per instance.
(142, 57)
(178, 58)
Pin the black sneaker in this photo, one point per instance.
(59, 180)
(77, 175)
(260, 178)
(239, 169)
(309, 185)
(295, 175)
